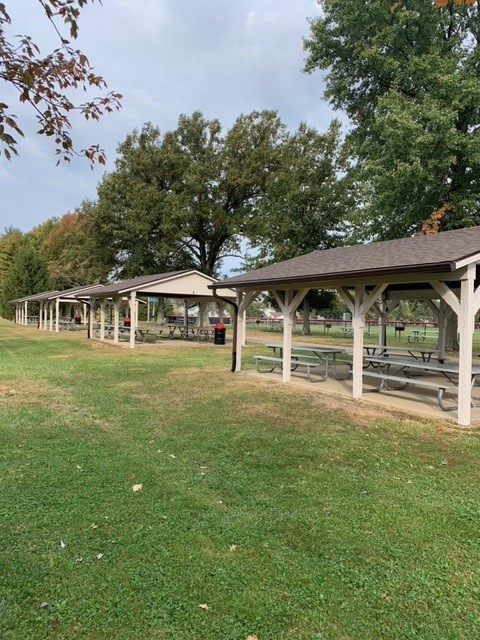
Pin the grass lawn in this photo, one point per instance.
(264, 511)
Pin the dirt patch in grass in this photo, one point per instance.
(27, 392)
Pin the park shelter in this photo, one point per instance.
(188, 285)
(49, 302)
(442, 269)
(22, 315)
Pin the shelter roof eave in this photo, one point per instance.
(34, 297)
(160, 285)
(442, 253)
(419, 275)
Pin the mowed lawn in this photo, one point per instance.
(264, 511)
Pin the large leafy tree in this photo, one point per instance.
(407, 73)
(185, 198)
(306, 204)
(46, 81)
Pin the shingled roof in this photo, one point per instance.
(419, 254)
(134, 283)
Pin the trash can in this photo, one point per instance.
(126, 322)
(219, 334)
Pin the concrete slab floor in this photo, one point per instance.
(411, 401)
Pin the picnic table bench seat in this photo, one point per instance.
(279, 361)
(439, 387)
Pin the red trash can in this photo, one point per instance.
(219, 334)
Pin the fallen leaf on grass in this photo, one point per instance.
(99, 556)
(233, 547)
(252, 638)
(78, 559)
(44, 605)
(93, 526)
(132, 476)
(137, 487)
(172, 456)
(205, 607)
(62, 544)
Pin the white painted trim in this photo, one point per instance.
(447, 295)
(467, 261)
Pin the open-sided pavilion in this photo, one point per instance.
(442, 269)
(49, 305)
(21, 306)
(189, 285)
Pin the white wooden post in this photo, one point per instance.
(133, 318)
(25, 312)
(57, 314)
(288, 305)
(50, 315)
(288, 314)
(382, 334)
(103, 302)
(240, 320)
(358, 325)
(466, 326)
(358, 308)
(90, 317)
(244, 299)
(244, 328)
(116, 318)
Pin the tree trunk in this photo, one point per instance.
(306, 331)
(202, 314)
(161, 311)
(451, 337)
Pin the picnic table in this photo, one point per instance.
(420, 335)
(304, 355)
(68, 325)
(346, 332)
(140, 332)
(190, 331)
(386, 350)
(408, 366)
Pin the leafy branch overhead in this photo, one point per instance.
(46, 81)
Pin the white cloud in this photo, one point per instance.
(167, 57)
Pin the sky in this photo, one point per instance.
(167, 57)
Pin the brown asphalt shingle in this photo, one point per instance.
(422, 254)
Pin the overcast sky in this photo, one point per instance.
(167, 57)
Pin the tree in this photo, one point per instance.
(10, 242)
(307, 200)
(69, 251)
(185, 198)
(46, 82)
(407, 73)
(26, 275)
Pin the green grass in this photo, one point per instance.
(291, 516)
